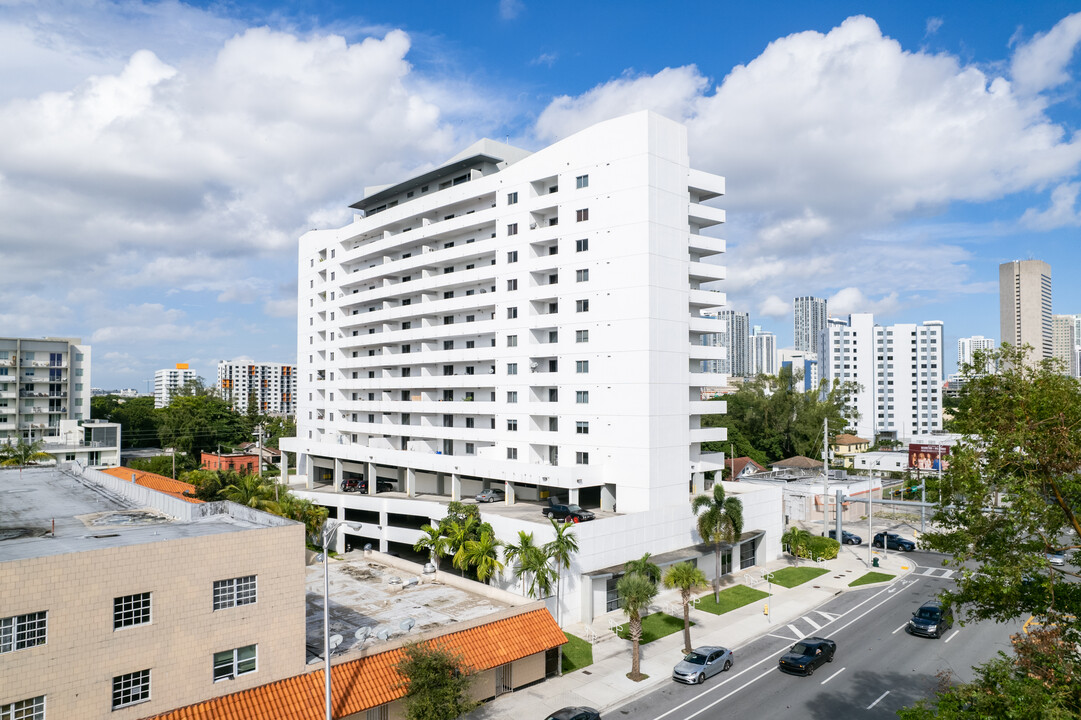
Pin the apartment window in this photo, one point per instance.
(469, 422)
(469, 370)
(512, 284)
(512, 368)
(582, 181)
(581, 366)
(32, 709)
(512, 198)
(512, 425)
(470, 449)
(512, 229)
(512, 341)
(581, 306)
(581, 275)
(448, 344)
(234, 592)
(131, 688)
(512, 313)
(581, 336)
(581, 245)
(512, 453)
(448, 369)
(582, 397)
(512, 396)
(553, 365)
(23, 631)
(553, 336)
(553, 307)
(448, 319)
(553, 278)
(553, 250)
(470, 318)
(130, 610)
(581, 428)
(512, 256)
(231, 663)
(448, 395)
(553, 424)
(470, 344)
(581, 458)
(582, 215)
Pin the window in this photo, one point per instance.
(581, 275)
(581, 245)
(512, 256)
(512, 396)
(512, 229)
(512, 425)
(32, 709)
(581, 306)
(448, 369)
(23, 631)
(582, 397)
(553, 424)
(131, 688)
(512, 284)
(582, 215)
(512, 312)
(581, 458)
(448, 319)
(512, 368)
(234, 592)
(582, 181)
(512, 341)
(130, 610)
(448, 344)
(469, 422)
(512, 198)
(448, 294)
(553, 307)
(231, 663)
(581, 366)
(553, 336)
(512, 453)
(581, 336)
(581, 428)
(470, 449)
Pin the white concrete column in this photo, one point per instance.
(410, 481)
(699, 482)
(440, 483)
(455, 487)
(572, 498)
(372, 476)
(339, 473)
(305, 461)
(509, 494)
(608, 497)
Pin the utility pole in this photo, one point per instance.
(826, 478)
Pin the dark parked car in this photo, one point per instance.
(575, 713)
(491, 495)
(702, 663)
(894, 542)
(931, 620)
(361, 485)
(808, 654)
(566, 513)
(847, 538)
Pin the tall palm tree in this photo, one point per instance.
(458, 533)
(530, 561)
(720, 520)
(250, 490)
(433, 541)
(23, 453)
(797, 539)
(560, 550)
(643, 566)
(686, 577)
(636, 592)
(483, 554)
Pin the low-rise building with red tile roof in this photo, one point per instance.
(738, 467)
(175, 488)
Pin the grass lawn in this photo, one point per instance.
(654, 627)
(731, 598)
(871, 577)
(790, 577)
(577, 654)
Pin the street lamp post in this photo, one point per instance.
(328, 528)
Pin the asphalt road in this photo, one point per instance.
(878, 667)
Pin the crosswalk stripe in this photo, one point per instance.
(830, 617)
(796, 631)
(811, 622)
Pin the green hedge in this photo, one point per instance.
(823, 548)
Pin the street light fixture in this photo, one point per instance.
(328, 529)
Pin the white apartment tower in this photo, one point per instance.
(42, 381)
(527, 319)
(1064, 343)
(273, 386)
(899, 371)
(736, 341)
(969, 346)
(808, 321)
(168, 381)
(1024, 300)
(763, 350)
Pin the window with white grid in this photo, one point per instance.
(130, 610)
(131, 688)
(31, 709)
(234, 592)
(23, 631)
(231, 663)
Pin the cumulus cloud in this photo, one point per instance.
(853, 300)
(1063, 211)
(774, 307)
(1041, 63)
(933, 25)
(510, 9)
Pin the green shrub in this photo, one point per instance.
(823, 548)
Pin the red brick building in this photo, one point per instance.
(243, 463)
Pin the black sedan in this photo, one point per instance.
(894, 542)
(847, 538)
(575, 713)
(808, 654)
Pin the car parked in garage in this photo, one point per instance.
(491, 495)
(808, 654)
(566, 513)
(702, 663)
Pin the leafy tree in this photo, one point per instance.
(458, 533)
(252, 491)
(797, 540)
(530, 561)
(436, 682)
(196, 423)
(433, 541)
(560, 549)
(313, 516)
(137, 417)
(483, 554)
(163, 464)
(636, 592)
(687, 578)
(275, 428)
(720, 520)
(23, 453)
(644, 566)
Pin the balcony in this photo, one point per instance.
(707, 299)
(704, 216)
(713, 434)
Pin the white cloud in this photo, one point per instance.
(548, 59)
(510, 9)
(774, 307)
(1040, 64)
(1062, 213)
(852, 300)
(283, 308)
(934, 24)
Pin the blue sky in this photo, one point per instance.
(161, 159)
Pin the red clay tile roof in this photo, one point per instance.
(799, 461)
(154, 481)
(737, 465)
(848, 440)
(372, 681)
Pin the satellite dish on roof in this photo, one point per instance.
(335, 641)
(407, 624)
(362, 633)
(383, 634)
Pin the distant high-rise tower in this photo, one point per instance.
(737, 340)
(1064, 344)
(763, 352)
(1024, 301)
(967, 348)
(808, 322)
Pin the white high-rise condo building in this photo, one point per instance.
(808, 321)
(42, 381)
(736, 341)
(1064, 343)
(271, 386)
(525, 321)
(763, 352)
(168, 381)
(967, 348)
(1024, 302)
(898, 370)
(804, 366)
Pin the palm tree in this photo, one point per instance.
(483, 554)
(560, 550)
(636, 592)
(23, 453)
(433, 541)
(687, 578)
(720, 521)
(796, 539)
(250, 490)
(458, 533)
(530, 559)
(643, 566)
(313, 516)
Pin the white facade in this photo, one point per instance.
(274, 386)
(899, 371)
(168, 381)
(802, 362)
(43, 382)
(763, 348)
(1024, 297)
(968, 347)
(91, 443)
(1064, 343)
(809, 316)
(736, 341)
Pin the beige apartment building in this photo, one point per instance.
(117, 601)
(1024, 298)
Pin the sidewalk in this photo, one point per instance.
(604, 684)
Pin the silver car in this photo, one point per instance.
(702, 663)
(491, 495)
(1056, 557)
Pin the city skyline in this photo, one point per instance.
(172, 154)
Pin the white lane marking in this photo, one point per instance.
(832, 676)
(876, 702)
(830, 617)
(807, 620)
(951, 637)
(782, 637)
(899, 629)
(796, 631)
